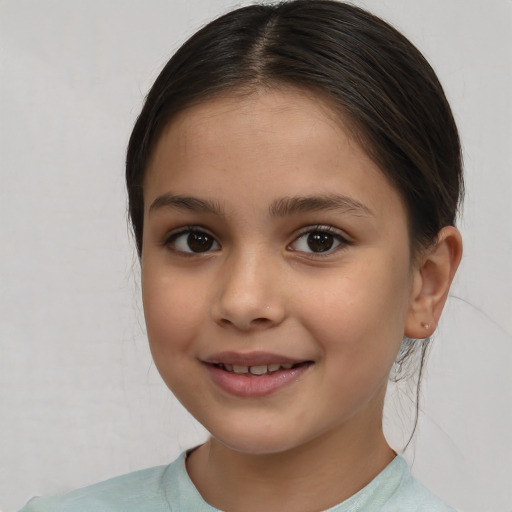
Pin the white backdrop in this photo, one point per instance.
(80, 400)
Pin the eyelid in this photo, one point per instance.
(342, 237)
(172, 235)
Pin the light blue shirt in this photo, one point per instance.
(169, 488)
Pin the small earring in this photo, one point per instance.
(425, 325)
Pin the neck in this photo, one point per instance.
(314, 476)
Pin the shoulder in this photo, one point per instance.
(393, 490)
(141, 490)
(411, 495)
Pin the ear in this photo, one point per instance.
(433, 276)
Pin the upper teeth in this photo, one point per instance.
(258, 369)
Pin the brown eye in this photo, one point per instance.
(199, 242)
(318, 241)
(193, 242)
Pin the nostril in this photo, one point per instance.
(247, 316)
(260, 321)
(255, 323)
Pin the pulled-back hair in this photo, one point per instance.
(384, 90)
(382, 86)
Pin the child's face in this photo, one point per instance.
(271, 238)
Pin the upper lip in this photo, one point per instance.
(250, 359)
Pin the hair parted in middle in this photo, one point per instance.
(376, 81)
(381, 85)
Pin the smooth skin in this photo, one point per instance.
(299, 248)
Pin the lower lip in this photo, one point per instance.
(248, 385)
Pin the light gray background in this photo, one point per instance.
(80, 400)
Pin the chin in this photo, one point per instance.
(259, 441)
(256, 446)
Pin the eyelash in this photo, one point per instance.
(170, 240)
(337, 235)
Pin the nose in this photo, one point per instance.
(249, 294)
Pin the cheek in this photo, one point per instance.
(171, 310)
(361, 314)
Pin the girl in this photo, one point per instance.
(293, 182)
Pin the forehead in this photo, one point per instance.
(277, 142)
(249, 113)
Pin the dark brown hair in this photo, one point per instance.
(381, 85)
(384, 89)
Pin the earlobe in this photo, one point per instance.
(432, 279)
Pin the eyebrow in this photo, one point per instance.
(293, 205)
(186, 203)
(283, 207)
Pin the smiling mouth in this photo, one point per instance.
(255, 375)
(259, 370)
